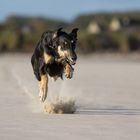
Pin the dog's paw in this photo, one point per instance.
(69, 75)
(42, 96)
(68, 72)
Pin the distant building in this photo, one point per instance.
(93, 28)
(115, 25)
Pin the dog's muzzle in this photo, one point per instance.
(72, 61)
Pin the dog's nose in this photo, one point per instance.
(74, 58)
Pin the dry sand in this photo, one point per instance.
(60, 105)
(106, 91)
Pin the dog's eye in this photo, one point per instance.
(65, 43)
(72, 41)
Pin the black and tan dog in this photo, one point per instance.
(54, 55)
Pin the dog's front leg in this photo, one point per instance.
(68, 70)
(43, 87)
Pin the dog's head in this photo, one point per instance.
(66, 44)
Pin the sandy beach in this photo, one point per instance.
(106, 90)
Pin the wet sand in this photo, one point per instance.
(106, 90)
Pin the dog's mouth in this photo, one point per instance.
(72, 62)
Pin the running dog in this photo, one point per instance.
(54, 55)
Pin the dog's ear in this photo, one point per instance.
(74, 32)
(43, 35)
(57, 33)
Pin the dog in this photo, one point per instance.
(54, 55)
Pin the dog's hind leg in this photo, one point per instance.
(43, 87)
(68, 70)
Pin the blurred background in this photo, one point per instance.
(104, 25)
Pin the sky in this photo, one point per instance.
(63, 9)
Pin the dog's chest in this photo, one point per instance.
(55, 69)
(48, 58)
